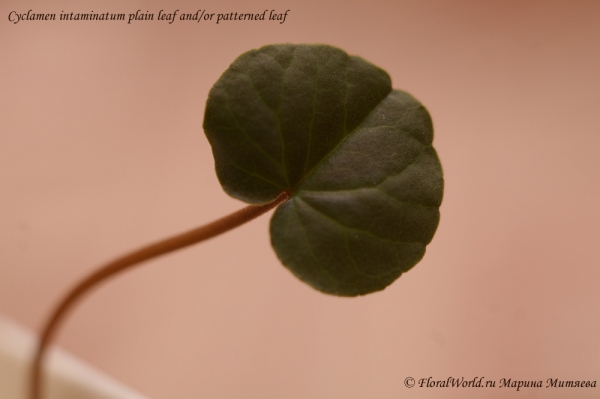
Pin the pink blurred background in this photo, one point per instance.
(102, 150)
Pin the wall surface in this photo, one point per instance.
(102, 150)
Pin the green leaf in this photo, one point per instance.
(354, 155)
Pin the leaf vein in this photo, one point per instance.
(252, 141)
(283, 157)
(313, 116)
(253, 174)
(346, 227)
(315, 258)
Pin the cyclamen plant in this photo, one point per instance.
(347, 161)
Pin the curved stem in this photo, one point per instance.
(118, 265)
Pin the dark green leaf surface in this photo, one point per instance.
(355, 156)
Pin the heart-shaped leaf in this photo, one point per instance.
(355, 156)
